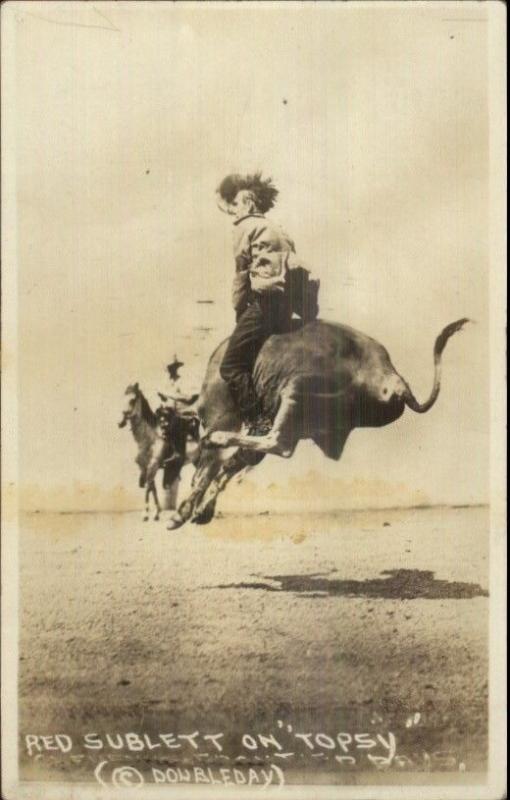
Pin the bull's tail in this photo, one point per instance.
(439, 346)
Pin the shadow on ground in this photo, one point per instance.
(398, 584)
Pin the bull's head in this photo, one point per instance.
(132, 394)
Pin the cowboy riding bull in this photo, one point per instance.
(277, 380)
(318, 382)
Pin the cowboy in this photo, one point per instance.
(263, 254)
(177, 399)
(179, 402)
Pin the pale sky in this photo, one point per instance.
(373, 123)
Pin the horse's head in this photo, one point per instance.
(132, 404)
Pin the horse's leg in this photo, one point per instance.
(281, 439)
(156, 500)
(172, 470)
(171, 476)
(171, 494)
(152, 470)
(146, 512)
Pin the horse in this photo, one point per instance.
(162, 438)
(320, 382)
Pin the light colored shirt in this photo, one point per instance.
(261, 251)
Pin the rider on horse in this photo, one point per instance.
(261, 295)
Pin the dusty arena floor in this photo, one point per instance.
(328, 626)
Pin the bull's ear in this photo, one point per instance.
(163, 397)
(135, 387)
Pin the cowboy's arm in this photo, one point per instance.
(241, 283)
(240, 291)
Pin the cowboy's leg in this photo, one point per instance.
(242, 350)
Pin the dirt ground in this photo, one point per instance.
(347, 623)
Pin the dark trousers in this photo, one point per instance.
(266, 315)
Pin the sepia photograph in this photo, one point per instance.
(253, 415)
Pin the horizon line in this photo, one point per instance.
(414, 507)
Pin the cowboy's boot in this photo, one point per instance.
(250, 405)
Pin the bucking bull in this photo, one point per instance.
(317, 382)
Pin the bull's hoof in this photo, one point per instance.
(204, 516)
(175, 521)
